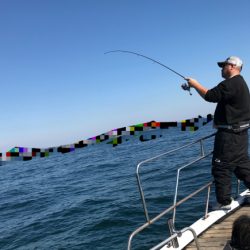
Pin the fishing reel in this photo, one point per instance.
(186, 87)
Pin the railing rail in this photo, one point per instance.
(172, 237)
(175, 203)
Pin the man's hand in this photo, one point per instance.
(192, 82)
(196, 85)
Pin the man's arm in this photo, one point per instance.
(197, 86)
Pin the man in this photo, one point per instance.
(232, 119)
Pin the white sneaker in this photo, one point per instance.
(247, 197)
(219, 206)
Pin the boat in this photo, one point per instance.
(211, 231)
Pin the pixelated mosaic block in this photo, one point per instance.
(114, 137)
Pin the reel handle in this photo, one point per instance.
(186, 87)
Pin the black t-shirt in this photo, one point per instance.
(232, 96)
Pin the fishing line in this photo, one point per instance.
(184, 86)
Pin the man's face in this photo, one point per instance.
(226, 70)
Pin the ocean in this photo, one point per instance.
(89, 199)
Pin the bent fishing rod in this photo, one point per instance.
(184, 86)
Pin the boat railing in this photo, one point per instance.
(149, 221)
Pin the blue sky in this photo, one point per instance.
(58, 86)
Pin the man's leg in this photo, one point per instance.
(222, 168)
(222, 178)
(242, 171)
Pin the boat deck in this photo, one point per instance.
(216, 237)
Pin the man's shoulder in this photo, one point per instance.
(237, 80)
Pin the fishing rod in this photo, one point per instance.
(184, 86)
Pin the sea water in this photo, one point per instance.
(89, 199)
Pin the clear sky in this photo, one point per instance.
(58, 86)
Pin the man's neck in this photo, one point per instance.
(231, 76)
